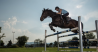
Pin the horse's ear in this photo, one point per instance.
(44, 8)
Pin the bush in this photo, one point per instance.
(1, 43)
(15, 46)
(1, 46)
(22, 46)
(9, 43)
(21, 40)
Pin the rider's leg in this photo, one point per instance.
(65, 15)
(62, 18)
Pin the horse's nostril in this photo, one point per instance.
(40, 19)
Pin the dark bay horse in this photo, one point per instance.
(57, 21)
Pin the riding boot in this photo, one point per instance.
(66, 20)
(62, 20)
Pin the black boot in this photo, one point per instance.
(67, 22)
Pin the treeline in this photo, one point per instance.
(40, 43)
(21, 41)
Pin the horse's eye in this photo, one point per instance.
(44, 13)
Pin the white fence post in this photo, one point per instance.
(45, 39)
(58, 40)
(96, 22)
(80, 33)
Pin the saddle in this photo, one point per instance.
(62, 18)
(68, 18)
(65, 19)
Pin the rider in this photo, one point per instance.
(62, 12)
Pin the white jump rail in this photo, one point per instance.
(77, 33)
(78, 40)
(63, 32)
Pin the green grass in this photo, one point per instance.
(40, 49)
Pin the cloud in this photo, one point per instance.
(45, 25)
(11, 21)
(8, 27)
(6, 24)
(16, 30)
(24, 22)
(78, 6)
(93, 14)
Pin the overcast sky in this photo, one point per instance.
(23, 17)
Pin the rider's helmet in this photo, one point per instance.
(56, 7)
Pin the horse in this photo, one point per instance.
(58, 22)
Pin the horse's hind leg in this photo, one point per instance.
(75, 31)
(51, 27)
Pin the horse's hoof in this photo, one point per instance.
(54, 30)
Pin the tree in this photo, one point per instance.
(64, 44)
(2, 43)
(69, 39)
(37, 41)
(50, 44)
(74, 43)
(90, 36)
(9, 43)
(55, 44)
(1, 36)
(75, 38)
(40, 42)
(21, 40)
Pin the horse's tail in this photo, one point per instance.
(82, 28)
(83, 37)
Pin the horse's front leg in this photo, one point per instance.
(51, 27)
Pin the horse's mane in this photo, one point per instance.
(49, 10)
(53, 13)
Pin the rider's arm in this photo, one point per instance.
(59, 11)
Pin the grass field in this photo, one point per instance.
(40, 50)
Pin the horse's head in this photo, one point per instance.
(44, 15)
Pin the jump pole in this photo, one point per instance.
(97, 33)
(58, 40)
(80, 34)
(45, 39)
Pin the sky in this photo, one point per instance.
(23, 17)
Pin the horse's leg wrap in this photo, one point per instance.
(51, 27)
